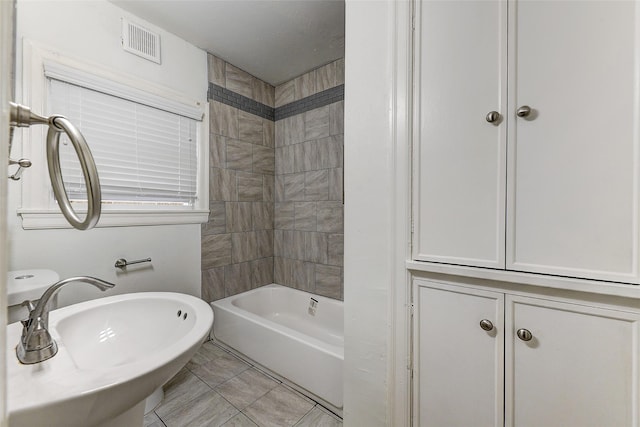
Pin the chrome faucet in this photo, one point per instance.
(36, 344)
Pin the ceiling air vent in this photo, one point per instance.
(140, 41)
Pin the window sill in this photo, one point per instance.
(46, 219)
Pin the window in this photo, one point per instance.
(150, 149)
(145, 156)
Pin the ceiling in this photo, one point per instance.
(273, 40)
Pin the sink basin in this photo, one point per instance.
(112, 354)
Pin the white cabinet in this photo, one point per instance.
(571, 364)
(573, 177)
(580, 367)
(552, 191)
(458, 365)
(459, 158)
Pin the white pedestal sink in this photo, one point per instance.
(112, 354)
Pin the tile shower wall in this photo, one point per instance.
(308, 221)
(275, 182)
(237, 241)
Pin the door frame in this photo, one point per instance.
(7, 42)
(400, 340)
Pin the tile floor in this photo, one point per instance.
(218, 389)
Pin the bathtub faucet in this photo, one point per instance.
(36, 344)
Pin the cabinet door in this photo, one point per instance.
(573, 161)
(580, 367)
(459, 157)
(458, 377)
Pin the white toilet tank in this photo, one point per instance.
(28, 285)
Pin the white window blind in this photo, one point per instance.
(144, 155)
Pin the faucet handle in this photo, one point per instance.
(27, 322)
(29, 304)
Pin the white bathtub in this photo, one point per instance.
(272, 326)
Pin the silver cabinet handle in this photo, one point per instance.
(493, 117)
(523, 111)
(486, 325)
(524, 334)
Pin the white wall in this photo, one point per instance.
(371, 259)
(91, 30)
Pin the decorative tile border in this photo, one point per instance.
(320, 99)
(234, 99)
(229, 97)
